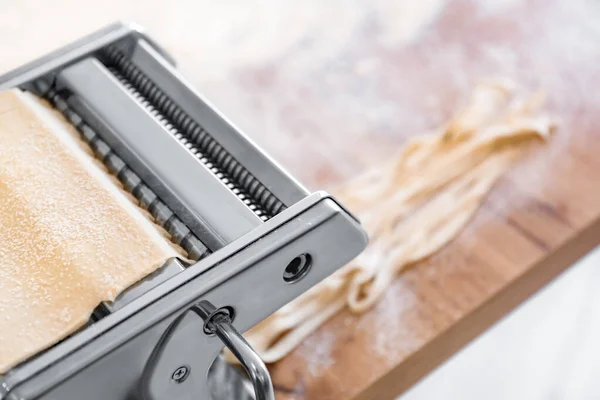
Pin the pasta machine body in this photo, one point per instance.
(257, 239)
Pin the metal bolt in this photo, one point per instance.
(180, 374)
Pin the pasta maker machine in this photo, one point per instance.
(257, 238)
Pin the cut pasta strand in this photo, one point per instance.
(413, 206)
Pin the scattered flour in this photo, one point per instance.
(391, 337)
(317, 351)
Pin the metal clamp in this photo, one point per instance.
(218, 322)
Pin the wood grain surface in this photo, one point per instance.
(331, 88)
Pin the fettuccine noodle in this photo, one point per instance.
(412, 207)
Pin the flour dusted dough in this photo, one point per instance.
(70, 237)
(412, 207)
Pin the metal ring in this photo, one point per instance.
(213, 318)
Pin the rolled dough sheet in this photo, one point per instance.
(70, 237)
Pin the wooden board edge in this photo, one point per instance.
(446, 344)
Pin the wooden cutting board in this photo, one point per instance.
(331, 88)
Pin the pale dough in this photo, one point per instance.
(70, 237)
(412, 207)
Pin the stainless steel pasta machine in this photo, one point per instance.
(258, 239)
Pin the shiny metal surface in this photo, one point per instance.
(220, 324)
(254, 366)
(48, 65)
(179, 178)
(257, 162)
(134, 352)
(226, 381)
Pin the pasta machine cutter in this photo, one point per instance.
(257, 238)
